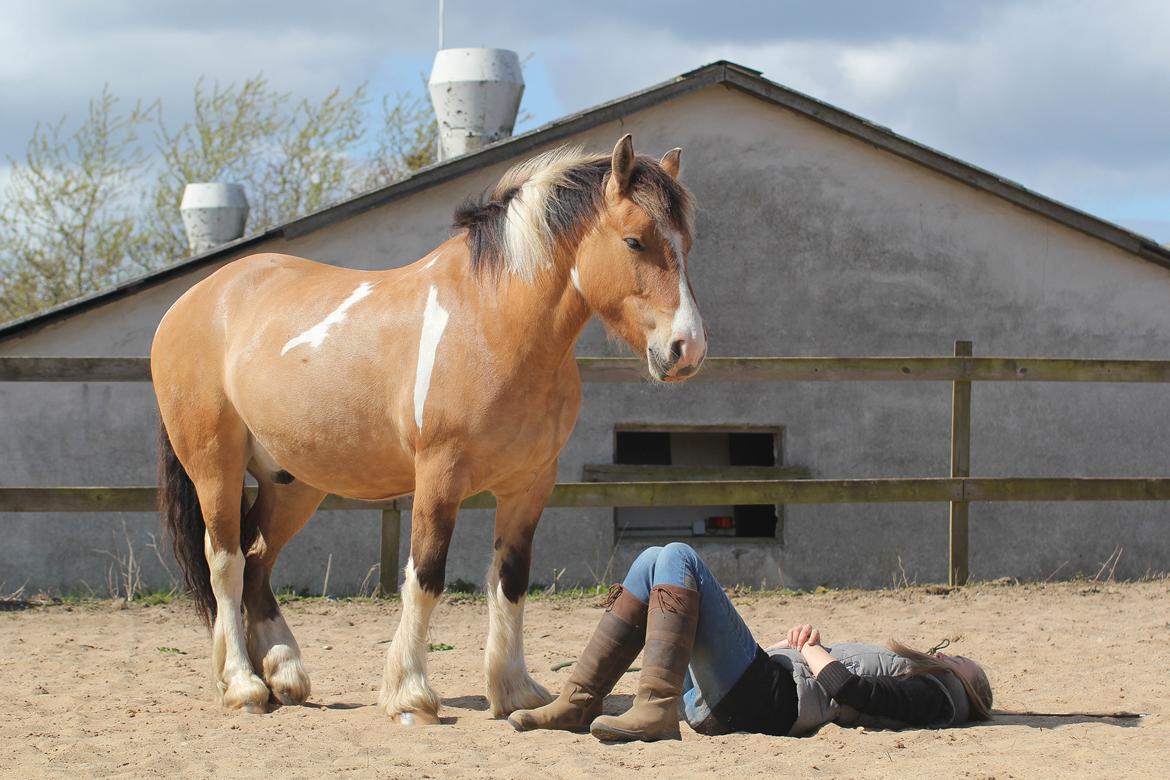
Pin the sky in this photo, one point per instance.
(1068, 98)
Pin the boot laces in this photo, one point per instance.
(668, 600)
(615, 591)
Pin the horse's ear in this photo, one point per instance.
(623, 163)
(671, 161)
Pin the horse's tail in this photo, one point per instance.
(182, 519)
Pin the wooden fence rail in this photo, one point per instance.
(672, 493)
(715, 369)
(958, 490)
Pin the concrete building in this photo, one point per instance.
(819, 233)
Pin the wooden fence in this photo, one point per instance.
(958, 490)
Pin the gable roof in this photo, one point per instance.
(722, 72)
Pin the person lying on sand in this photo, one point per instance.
(702, 662)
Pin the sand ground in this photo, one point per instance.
(90, 693)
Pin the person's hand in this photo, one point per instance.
(781, 645)
(799, 636)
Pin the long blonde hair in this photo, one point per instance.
(978, 691)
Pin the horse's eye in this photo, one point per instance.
(634, 244)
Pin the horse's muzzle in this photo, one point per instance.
(673, 368)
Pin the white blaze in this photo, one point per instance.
(434, 322)
(687, 321)
(316, 334)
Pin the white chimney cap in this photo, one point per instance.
(476, 95)
(214, 213)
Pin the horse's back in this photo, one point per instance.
(193, 339)
(250, 281)
(240, 295)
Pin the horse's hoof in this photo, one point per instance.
(291, 697)
(523, 693)
(415, 718)
(249, 694)
(289, 683)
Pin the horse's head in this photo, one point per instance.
(632, 266)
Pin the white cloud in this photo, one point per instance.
(1069, 97)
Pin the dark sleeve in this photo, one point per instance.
(915, 701)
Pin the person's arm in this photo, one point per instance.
(818, 658)
(915, 701)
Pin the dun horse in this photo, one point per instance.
(443, 378)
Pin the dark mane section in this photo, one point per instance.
(576, 202)
(484, 222)
(570, 207)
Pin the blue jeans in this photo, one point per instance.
(724, 647)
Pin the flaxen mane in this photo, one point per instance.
(553, 199)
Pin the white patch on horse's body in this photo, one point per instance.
(275, 654)
(509, 685)
(575, 278)
(433, 260)
(434, 322)
(687, 321)
(316, 334)
(237, 684)
(405, 692)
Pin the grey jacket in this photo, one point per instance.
(815, 707)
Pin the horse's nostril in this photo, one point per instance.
(676, 349)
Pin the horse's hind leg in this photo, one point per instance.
(406, 696)
(279, 513)
(509, 686)
(214, 454)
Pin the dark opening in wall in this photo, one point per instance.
(697, 453)
(753, 449)
(644, 447)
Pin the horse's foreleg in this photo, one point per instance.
(509, 686)
(280, 512)
(406, 696)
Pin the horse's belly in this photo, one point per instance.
(348, 469)
(340, 437)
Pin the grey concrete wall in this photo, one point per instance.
(809, 243)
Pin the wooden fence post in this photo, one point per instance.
(388, 562)
(957, 569)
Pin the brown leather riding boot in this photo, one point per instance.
(670, 636)
(615, 644)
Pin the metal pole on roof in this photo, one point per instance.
(442, 14)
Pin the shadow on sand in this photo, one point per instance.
(477, 703)
(614, 705)
(1053, 720)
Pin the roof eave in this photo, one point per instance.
(736, 76)
(426, 177)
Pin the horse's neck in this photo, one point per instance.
(542, 318)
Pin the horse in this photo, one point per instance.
(452, 375)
